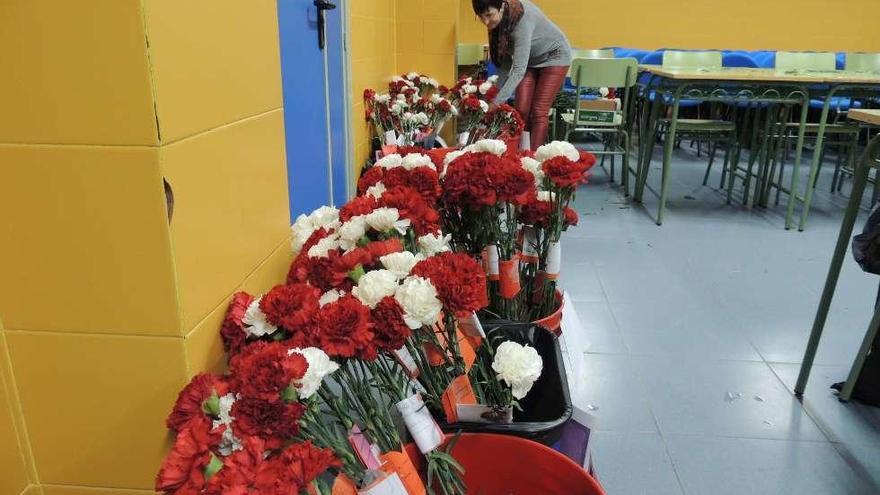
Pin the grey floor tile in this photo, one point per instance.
(734, 466)
(615, 454)
(601, 334)
(724, 398)
(614, 393)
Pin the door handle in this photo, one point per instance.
(323, 5)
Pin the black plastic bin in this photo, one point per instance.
(547, 407)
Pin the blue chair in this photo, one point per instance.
(840, 61)
(764, 58)
(738, 59)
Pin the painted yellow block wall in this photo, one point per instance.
(744, 25)
(389, 37)
(108, 308)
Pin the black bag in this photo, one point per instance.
(866, 246)
(547, 408)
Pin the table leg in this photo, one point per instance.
(795, 171)
(668, 146)
(817, 159)
(860, 177)
(647, 147)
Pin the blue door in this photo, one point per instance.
(314, 103)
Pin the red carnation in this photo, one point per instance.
(369, 179)
(272, 420)
(467, 182)
(587, 159)
(232, 330)
(389, 326)
(426, 182)
(263, 370)
(512, 183)
(492, 93)
(377, 249)
(459, 279)
(563, 172)
(536, 213)
(424, 218)
(182, 472)
(299, 269)
(571, 217)
(239, 469)
(360, 205)
(292, 470)
(190, 400)
(290, 306)
(345, 327)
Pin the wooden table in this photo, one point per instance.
(734, 85)
(871, 117)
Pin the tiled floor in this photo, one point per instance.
(693, 335)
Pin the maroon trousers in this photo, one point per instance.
(534, 97)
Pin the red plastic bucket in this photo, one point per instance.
(553, 322)
(508, 465)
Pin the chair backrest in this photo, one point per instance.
(469, 53)
(577, 53)
(653, 58)
(865, 62)
(738, 59)
(604, 72)
(824, 61)
(691, 60)
(765, 59)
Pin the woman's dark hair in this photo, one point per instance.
(481, 6)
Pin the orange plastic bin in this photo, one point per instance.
(508, 465)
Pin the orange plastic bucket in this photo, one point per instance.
(553, 322)
(508, 465)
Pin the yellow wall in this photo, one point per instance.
(108, 309)
(390, 37)
(744, 24)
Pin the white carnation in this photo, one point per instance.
(451, 156)
(493, 79)
(534, 167)
(469, 88)
(320, 365)
(412, 76)
(324, 246)
(256, 322)
(351, 232)
(519, 366)
(376, 190)
(390, 161)
(415, 160)
(418, 298)
(485, 87)
(383, 98)
(330, 296)
(300, 231)
(435, 98)
(385, 219)
(494, 146)
(325, 216)
(400, 264)
(229, 443)
(374, 286)
(557, 148)
(433, 82)
(484, 106)
(546, 196)
(431, 244)
(398, 108)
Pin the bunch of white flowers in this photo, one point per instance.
(306, 225)
(557, 148)
(517, 365)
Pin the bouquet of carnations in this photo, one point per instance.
(472, 97)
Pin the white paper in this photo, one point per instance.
(554, 260)
(406, 360)
(478, 413)
(576, 344)
(463, 138)
(530, 244)
(390, 137)
(421, 425)
(471, 326)
(525, 141)
(389, 485)
(492, 260)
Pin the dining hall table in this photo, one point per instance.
(751, 87)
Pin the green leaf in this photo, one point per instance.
(290, 394)
(213, 467)
(357, 273)
(211, 406)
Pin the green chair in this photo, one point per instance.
(862, 62)
(839, 133)
(588, 76)
(709, 130)
(469, 54)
